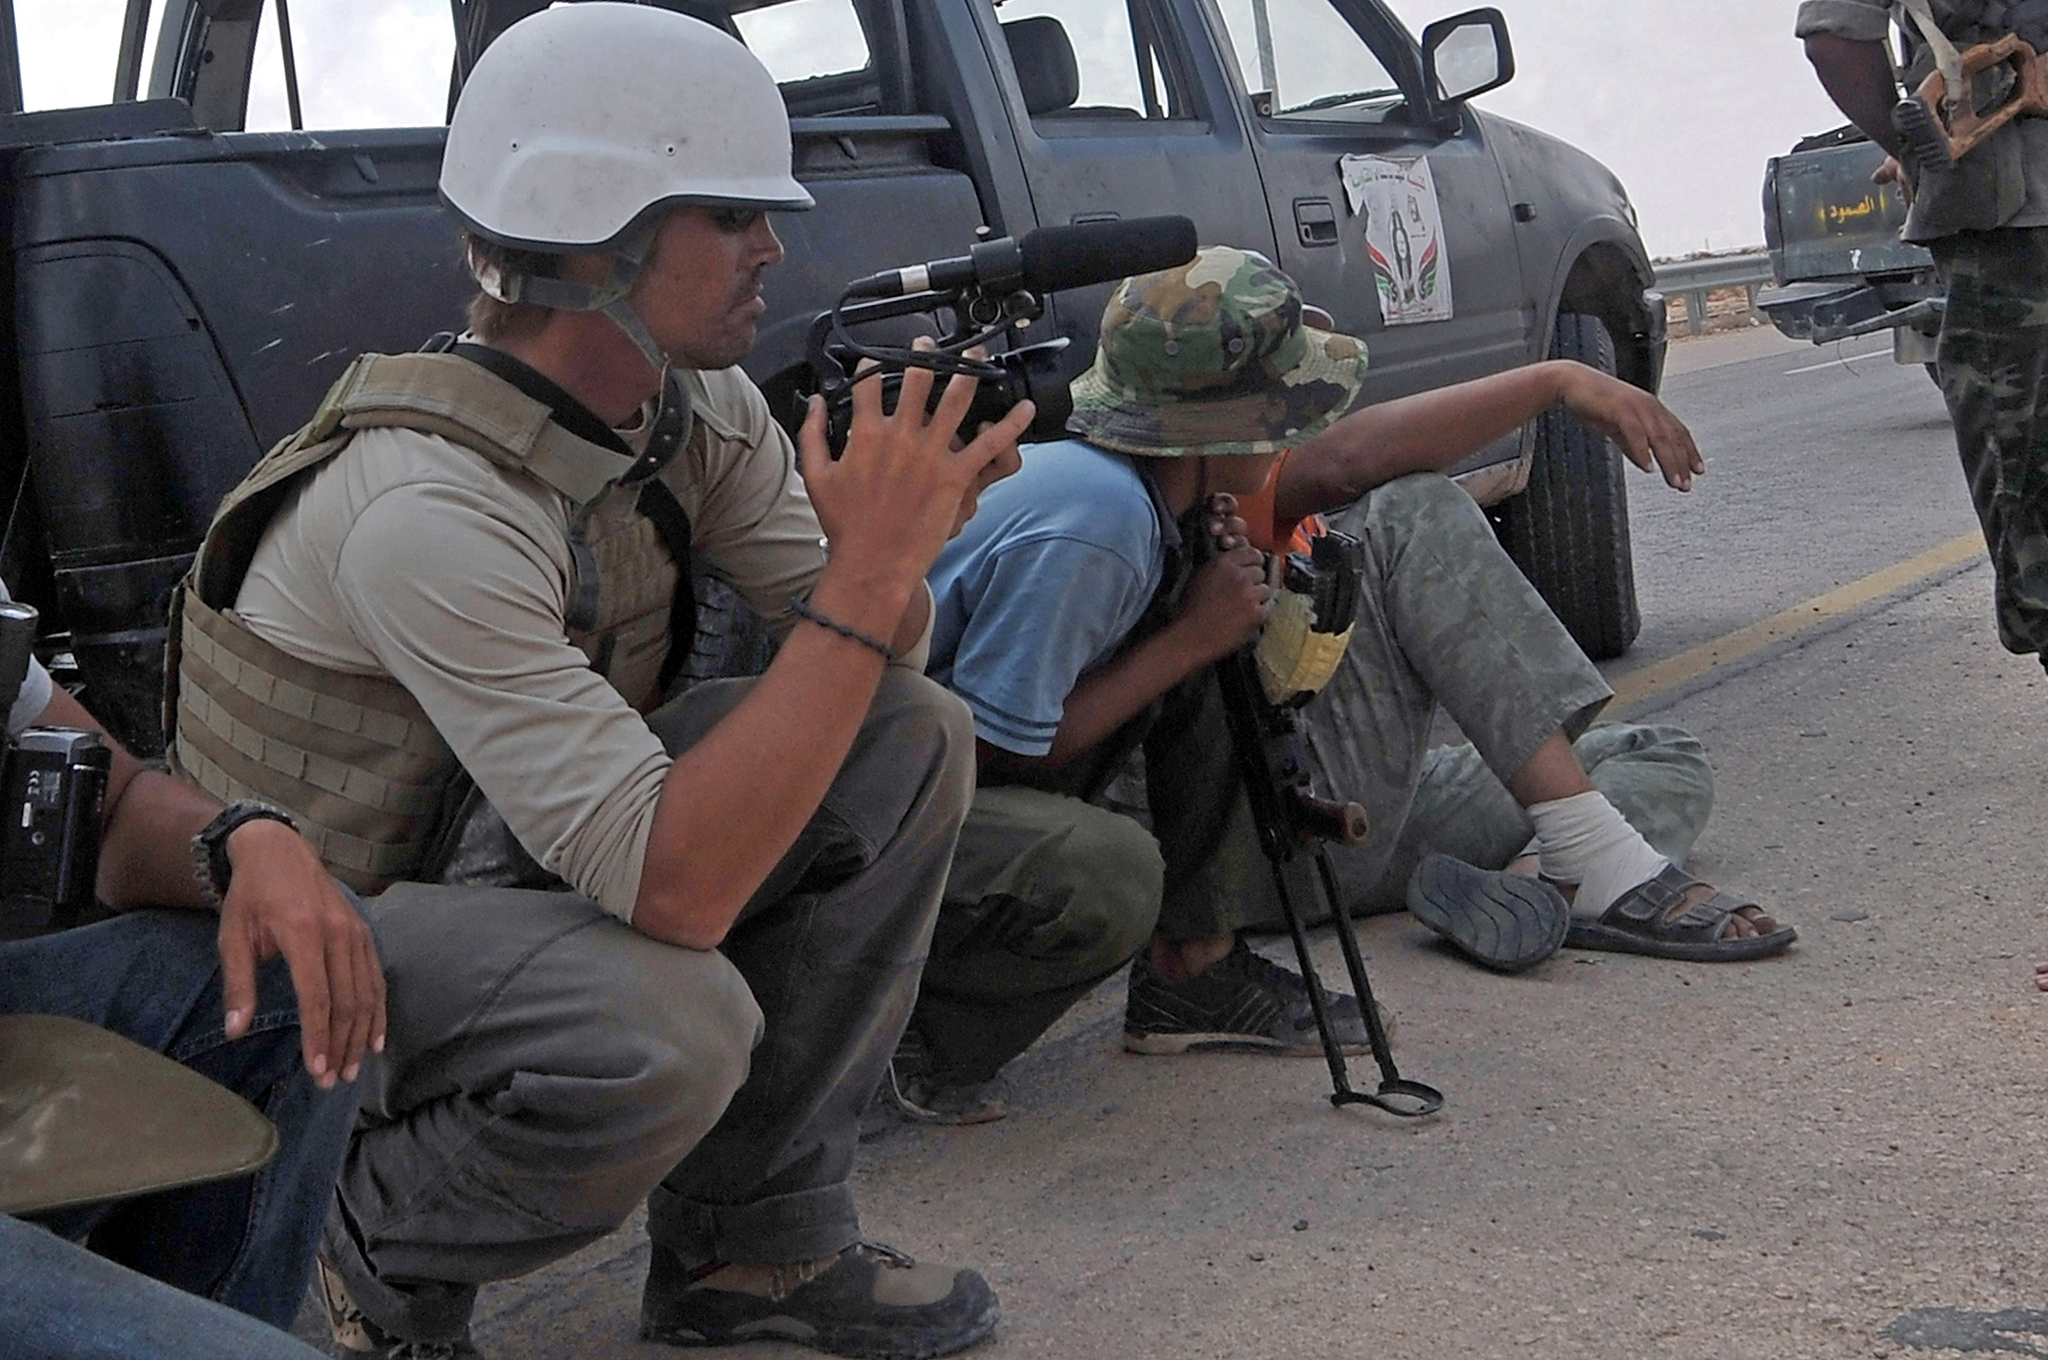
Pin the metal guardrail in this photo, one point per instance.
(1697, 278)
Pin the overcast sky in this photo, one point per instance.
(1684, 99)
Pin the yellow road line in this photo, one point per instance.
(1637, 686)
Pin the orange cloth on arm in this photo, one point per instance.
(1260, 512)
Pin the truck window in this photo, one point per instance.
(805, 39)
(1084, 61)
(1310, 60)
(359, 66)
(68, 52)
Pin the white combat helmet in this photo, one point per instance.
(580, 128)
(583, 121)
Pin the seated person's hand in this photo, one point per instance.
(1231, 595)
(1650, 436)
(280, 900)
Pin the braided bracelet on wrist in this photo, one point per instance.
(802, 609)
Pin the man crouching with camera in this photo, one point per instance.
(472, 567)
(273, 990)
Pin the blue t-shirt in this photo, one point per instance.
(1044, 584)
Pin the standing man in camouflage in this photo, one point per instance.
(1078, 620)
(1986, 220)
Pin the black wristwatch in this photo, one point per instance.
(210, 863)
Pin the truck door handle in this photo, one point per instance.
(1315, 221)
(1082, 219)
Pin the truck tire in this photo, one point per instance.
(1568, 531)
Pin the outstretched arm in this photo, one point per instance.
(279, 901)
(1435, 431)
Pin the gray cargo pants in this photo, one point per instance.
(547, 1066)
(1447, 620)
(1050, 894)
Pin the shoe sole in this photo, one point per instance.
(857, 1343)
(1504, 922)
(1592, 935)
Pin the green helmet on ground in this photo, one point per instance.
(1213, 358)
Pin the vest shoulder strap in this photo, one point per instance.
(439, 394)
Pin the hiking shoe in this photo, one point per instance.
(868, 1301)
(1242, 1003)
(357, 1335)
(1506, 922)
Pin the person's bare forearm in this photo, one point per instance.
(1428, 432)
(910, 628)
(1858, 77)
(145, 812)
(1106, 698)
(766, 766)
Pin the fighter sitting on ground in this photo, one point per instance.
(1075, 625)
(476, 563)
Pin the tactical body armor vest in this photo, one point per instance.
(354, 758)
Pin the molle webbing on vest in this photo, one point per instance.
(354, 757)
(638, 581)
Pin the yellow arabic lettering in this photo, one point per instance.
(1837, 214)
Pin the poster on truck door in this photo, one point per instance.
(1404, 236)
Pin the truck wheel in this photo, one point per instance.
(1569, 531)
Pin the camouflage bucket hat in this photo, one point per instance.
(1212, 358)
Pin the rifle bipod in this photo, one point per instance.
(1397, 1095)
(1289, 818)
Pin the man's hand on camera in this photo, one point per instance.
(1650, 436)
(281, 901)
(901, 489)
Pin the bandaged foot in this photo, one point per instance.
(1585, 844)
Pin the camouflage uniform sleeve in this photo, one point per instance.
(1855, 20)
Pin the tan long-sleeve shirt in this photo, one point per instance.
(410, 556)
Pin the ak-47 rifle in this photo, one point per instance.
(1941, 122)
(1294, 825)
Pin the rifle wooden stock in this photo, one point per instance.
(1938, 136)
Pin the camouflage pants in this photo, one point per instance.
(1993, 362)
(1446, 620)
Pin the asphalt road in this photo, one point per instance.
(1832, 1154)
(1818, 472)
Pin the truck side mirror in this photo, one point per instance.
(1467, 54)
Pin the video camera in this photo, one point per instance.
(998, 286)
(52, 782)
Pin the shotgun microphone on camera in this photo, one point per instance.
(1047, 260)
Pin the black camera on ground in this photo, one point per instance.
(997, 287)
(52, 783)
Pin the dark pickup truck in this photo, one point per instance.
(183, 289)
(1840, 269)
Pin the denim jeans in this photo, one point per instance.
(154, 977)
(61, 1302)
